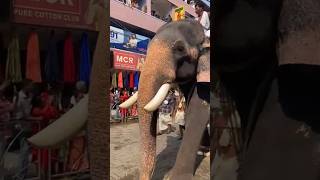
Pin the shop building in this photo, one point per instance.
(50, 43)
(132, 25)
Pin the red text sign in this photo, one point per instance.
(56, 13)
(125, 60)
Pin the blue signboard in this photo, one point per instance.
(125, 40)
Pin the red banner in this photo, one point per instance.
(54, 13)
(126, 60)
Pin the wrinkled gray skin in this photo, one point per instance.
(197, 117)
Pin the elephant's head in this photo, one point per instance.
(172, 58)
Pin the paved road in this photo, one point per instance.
(124, 152)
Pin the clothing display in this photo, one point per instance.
(69, 64)
(33, 68)
(136, 79)
(131, 80)
(13, 65)
(85, 65)
(114, 82)
(120, 80)
(52, 71)
(124, 77)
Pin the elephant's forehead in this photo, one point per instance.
(189, 31)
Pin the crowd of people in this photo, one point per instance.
(29, 107)
(118, 96)
(172, 111)
(134, 4)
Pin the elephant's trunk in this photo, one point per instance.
(156, 71)
(98, 116)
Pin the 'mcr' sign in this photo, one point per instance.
(125, 60)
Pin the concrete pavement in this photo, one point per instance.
(124, 153)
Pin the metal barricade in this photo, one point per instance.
(15, 133)
(22, 166)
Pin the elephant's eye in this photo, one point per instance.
(179, 46)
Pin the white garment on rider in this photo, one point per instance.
(205, 22)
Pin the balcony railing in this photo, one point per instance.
(134, 16)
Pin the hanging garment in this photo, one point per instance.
(136, 80)
(120, 80)
(131, 84)
(124, 74)
(33, 67)
(114, 80)
(52, 71)
(85, 66)
(69, 75)
(128, 80)
(13, 65)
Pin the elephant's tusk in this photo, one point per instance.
(158, 98)
(130, 101)
(64, 128)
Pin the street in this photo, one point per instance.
(124, 153)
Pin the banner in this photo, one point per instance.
(179, 14)
(127, 61)
(125, 40)
(53, 13)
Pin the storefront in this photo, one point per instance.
(127, 57)
(50, 43)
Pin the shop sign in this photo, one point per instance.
(126, 40)
(127, 61)
(179, 14)
(54, 13)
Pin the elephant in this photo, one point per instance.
(172, 60)
(262, 49)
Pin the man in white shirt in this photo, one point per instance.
(23, 101)
(203, 18)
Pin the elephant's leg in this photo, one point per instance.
(197, 117)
